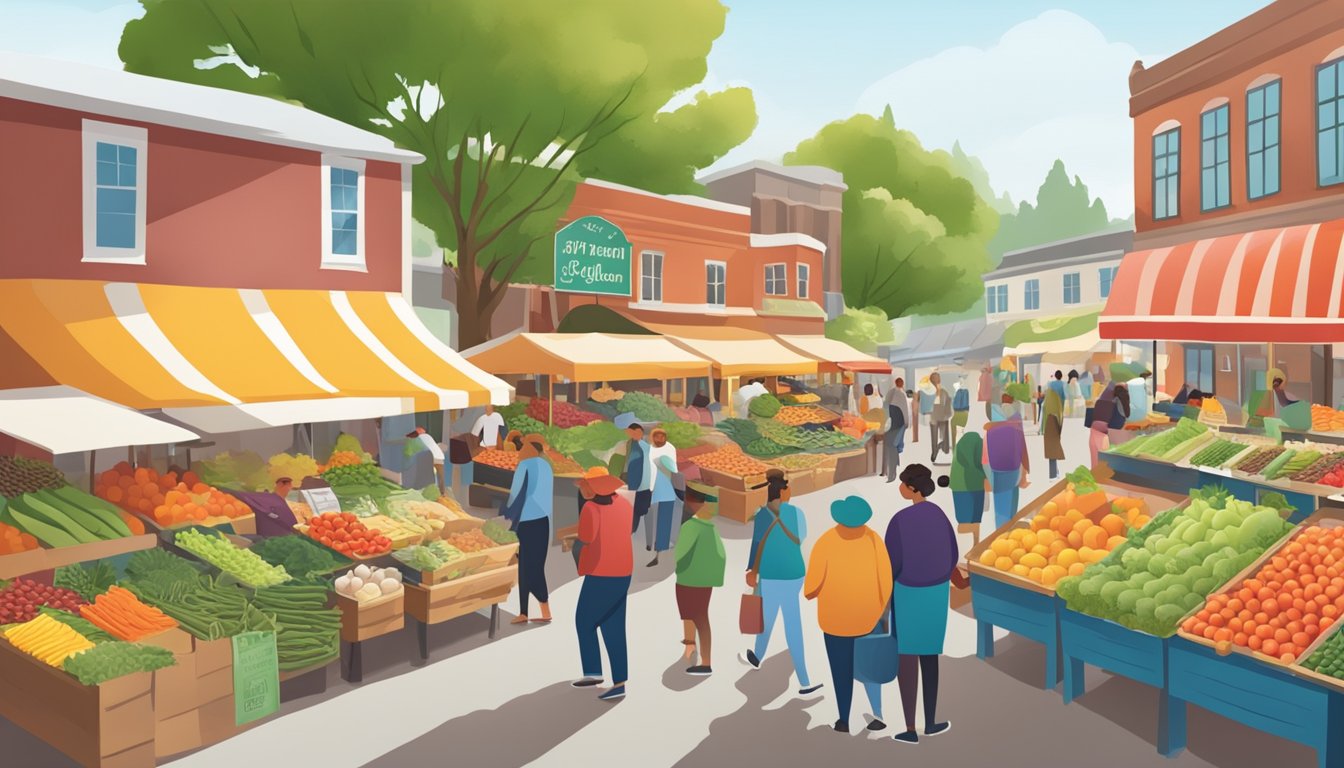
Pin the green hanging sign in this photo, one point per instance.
(256, 676)
(592, 255)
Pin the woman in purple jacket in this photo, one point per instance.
(923, 551)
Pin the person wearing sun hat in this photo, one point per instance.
(606, 564)
(1005, 454)
(849, 575)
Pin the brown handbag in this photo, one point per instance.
(751, 613)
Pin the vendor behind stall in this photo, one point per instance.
(1280, 406)
(418, 440)
(1135, 378)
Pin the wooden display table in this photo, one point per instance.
(447, 601)
(365, 621)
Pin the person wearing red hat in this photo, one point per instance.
(606, 563)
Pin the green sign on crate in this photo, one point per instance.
(592, 255)
(256, 676)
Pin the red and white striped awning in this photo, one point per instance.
(1274, 285)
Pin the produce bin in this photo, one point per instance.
(38, 560)
(730, 482)
(488, 474)
(739, 506)
(1025, 612)
(851, 465)
(447, 601)
(1121, 651)
(366, 620)
(1255, 695)
(103, 726)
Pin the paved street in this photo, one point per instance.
(508, 703)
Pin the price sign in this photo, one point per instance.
(256, 676)
(321, 500)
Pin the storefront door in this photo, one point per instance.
(1199, 368)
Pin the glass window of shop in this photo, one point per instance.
(1215, 162)
(1330, 123)
(996, 299)
(651, 276)
(1073, 288)
(1262, 141)
(1107, 276)
(776, 280)
(804, 279)
(1167, 174)
(716, 281)
(1031, 294)
(1199, 372)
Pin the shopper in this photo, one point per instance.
(940, 418)
(985, 392)
(776, 570)
(1117, 434)
(897, 416)
(923, 552)
(867, 400)
(700, 566)
(639, 476)
(968, 481)
(606, 564)
(663, 456)
(961, 410)
(1053, 428)
(849, 575)
(533, 498)
(489, 428)
(1103, 411)
(1006, 455)
(1038, 404)
(1074, 400)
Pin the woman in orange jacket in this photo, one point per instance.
(849, 575)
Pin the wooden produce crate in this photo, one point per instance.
(1312, 675)
(103, 726)
(37, 560)
(823, 476)
(244, 525)
(488, 474)
(730, 482)
(1031, 613)
(372, 618)
(851, 465)
(740, 506)
(495, 557)
(444, 602)
(483, 496)
(184, 692)
(1256, 695)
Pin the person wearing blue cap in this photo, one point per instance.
(849, 575)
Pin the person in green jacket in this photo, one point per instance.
(700, 565)
(967, 482)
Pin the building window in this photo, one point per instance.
(1330, 123)
(1073, 288)
(1107, 279)
(650, 276)
(996, 299)
(776, 280)
(1215, 163)
(1167, 174)
(804, 278)
(114, 192)
(1031, 298)
(343, 222)
(1262, 141)
(1199, 367)
(716, 279)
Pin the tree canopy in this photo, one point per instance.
(914, 231)
(511, 103)
(1064, 208)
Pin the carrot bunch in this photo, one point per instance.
(122, 615)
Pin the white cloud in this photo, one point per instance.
(1051, 87)
(65, 31)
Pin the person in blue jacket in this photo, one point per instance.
(532, 497)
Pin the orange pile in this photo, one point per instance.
(731, 461)
(13, 540)
(165, 498)
(342, 459)
(493, 457)
(798, 415)
(1326, 419)
(1296, 595)
(854, 426)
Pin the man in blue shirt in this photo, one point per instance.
(532, 499)
(639, 477)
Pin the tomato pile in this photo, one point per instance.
(344, 533)
(21, 599)
(1297, 594)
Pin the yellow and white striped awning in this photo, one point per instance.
(268, 357)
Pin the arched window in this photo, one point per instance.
(1263, 98)
(1167, 170)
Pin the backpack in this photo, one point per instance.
(961, 401)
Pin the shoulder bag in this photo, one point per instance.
(751, 613)
(877, 654)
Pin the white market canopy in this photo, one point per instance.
(66, 420)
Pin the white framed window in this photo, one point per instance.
(776, 280)
(1031, 294)
(114, 178)
(716, 283)
(651, 277)
(1073, 288)
(804, 280)
(996, 299)
(343, 220)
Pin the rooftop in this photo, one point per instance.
(1103, 244)
(699, 202)
(128, 96)
(812, 174)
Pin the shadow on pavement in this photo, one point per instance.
(516, 733)
(676, 679)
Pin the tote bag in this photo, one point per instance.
(876, 654)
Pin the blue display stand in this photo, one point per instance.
(1120, 651)
(1030, 614)
(1152, 474)
(1304, 505)
(1255, 694)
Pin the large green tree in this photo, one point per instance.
(1064, 208)
(914, 230)
(510, 102)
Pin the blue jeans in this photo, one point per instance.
(840, 654)
(667, 511)
(782, 596)
(1004, 489)
(602, 606)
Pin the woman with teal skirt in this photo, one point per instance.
(968, 483)
(923, 551)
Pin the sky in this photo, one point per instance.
(1019, 83)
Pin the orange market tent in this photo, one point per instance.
(1268, 286)
(224, 359)
(737, 352)
(834, 355)
(588, 357)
